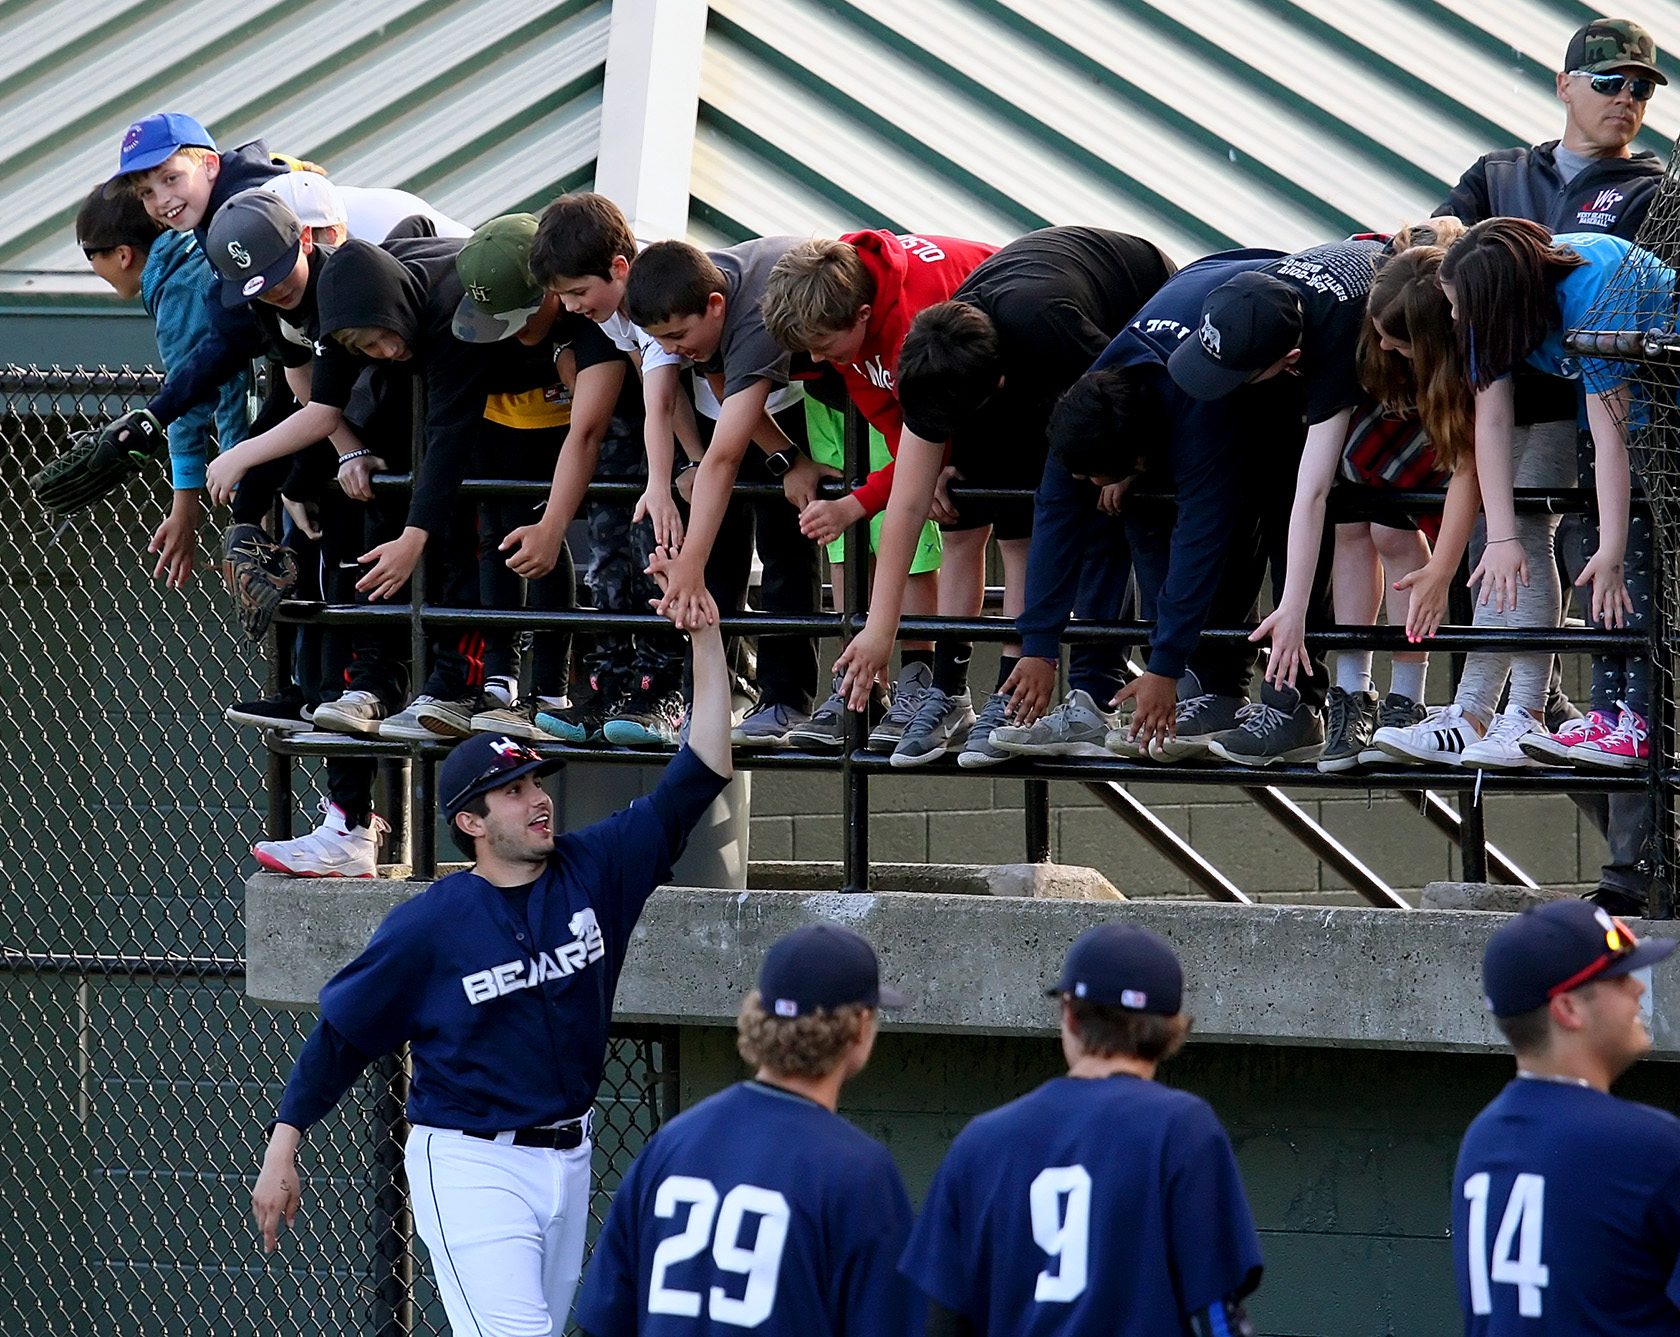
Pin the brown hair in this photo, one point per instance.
(816, 289)
(1105, 1031)
(1406, 303)
(103, 224)
(1504, 273)
(580, 235)
(197, 152)
(796, 1046)
(948, 367)
(1528, 1032)
(669, 280)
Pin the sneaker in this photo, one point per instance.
(405, 725)
(333, 849)
(1553, 748)
(1352, 721)
(1396, 712)
(1268, 734)
(914, 680)
(978, 749)
(1498, 749)
(1440, 737)
(1616, 901)
(285, 712)
(768, 726)
(355, 712)
(584, 721)
(1625, 748)
(942, 722)
(1198, 720)
(1076, 728)
(646, 717)
(518, 721)
(825, 731)
(454, 719)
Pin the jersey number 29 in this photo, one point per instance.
(760, 1264)
(1061, 1226)
(1522, 1223)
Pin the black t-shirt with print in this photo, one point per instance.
(1333, 281)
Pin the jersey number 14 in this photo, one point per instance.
(1521, 1225)
(761, 1264)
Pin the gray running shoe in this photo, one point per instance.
(454, 719)
(1396, 712)
(354, 712)
(768, 726)
(913, 682)
(942, 722)
(405, 725)
(978, 749)
(1076, 728)
(1198, 720)
(518, 721)
(825, 731)
(1352, 721)
(1270, 734)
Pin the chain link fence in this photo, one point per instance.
(135, 1080)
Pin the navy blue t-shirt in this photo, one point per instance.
(506, 1013)
(1566, 1215)
(757, 1209)
(1106, 1206)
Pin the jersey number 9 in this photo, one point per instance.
(1061, 1226)
(1522, 1224)
(761, 1264)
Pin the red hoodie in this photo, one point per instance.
(910, 273)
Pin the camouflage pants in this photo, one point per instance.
(618, 557)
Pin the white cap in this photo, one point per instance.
(313, 198)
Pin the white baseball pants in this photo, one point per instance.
(504, 1226)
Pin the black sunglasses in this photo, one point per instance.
(1610, 85)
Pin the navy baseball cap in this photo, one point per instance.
(484, 762)
(822, 965)
(156, 139)
(1123, 966)
(254, 243)
(1559, 946)
(1247, 324)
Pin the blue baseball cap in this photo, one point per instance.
(822, 965)
(1552, 948)
(156, 139)
(1123, 966)
(484, 762)
(1248, 323)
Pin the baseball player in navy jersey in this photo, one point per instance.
(761, 1208)
(500, 979)
(1566, 1200)
(1101, 1204)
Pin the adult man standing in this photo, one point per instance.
(1566, 1200)
(500, 979)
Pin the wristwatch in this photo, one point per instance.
(779, 463)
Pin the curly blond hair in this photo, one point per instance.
(796, 1046)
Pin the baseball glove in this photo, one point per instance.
(99, 462)
(260, 572)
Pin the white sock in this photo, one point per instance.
(1353, 670)
(505, 688)
(1407, 678)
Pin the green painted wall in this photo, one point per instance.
(1347, 1155)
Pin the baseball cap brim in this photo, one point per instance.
(547, 766)
(1199, 376)
(237, 292)
(474, 325)
(1648, 953)
(1610, 66)
(891, 997)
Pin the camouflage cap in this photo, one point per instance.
(1612, 44)
(495, 269)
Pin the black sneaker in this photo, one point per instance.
(1352, 720)
(1271, 733)
(1616, 901)
(583, 721)
(285, 711)
(1396, 712)
(648, 716)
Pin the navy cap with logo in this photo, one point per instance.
(822, 966)
(254, 243)
(1553, 948)
(155, 140)
(484, 762)
(1123, 966)
(1247, 325)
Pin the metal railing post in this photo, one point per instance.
(854, 782)
(1472, 837)
(1036, 798)
(422, 809)
(390, 1220)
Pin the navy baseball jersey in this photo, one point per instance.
(506, 1008)
(1106, 1206)
(756, 1209)
(1566, 1215)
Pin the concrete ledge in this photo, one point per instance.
(1485, 896)
(1057, 881)
(1271, 975)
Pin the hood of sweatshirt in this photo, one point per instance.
(364, 285)
(242, 168)
(170, 253)
(883, 255)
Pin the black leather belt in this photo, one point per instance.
(563, 1138)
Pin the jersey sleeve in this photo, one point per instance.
(934, 1256)
(371, 1001)
(609, 1302)
(1215, 1250)
(872, 1297)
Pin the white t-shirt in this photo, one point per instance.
(374, 210)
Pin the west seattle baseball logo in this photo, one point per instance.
(238, 254)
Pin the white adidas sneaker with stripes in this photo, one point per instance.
(1440, 739)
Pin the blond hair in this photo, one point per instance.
(796, 1046)
(816, 289)
(354, 336)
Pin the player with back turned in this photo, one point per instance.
(1566, 1200)
(1101, 1204)
(761, 1208)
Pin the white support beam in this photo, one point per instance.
(648, 108)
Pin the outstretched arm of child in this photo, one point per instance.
(1606, 414)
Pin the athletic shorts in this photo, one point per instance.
(825, 430)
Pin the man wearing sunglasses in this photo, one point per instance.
(1566, 1200)
(500, 980)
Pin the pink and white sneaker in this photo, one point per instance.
(1624, 748)
(1553, 748)
(333, 849)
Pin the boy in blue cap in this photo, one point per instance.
(1566, 1200)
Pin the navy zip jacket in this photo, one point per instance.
(1609, 195)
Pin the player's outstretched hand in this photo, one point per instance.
(683, 596)
(278, 1192)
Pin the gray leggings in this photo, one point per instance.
(1542, 455)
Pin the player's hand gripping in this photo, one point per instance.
(824, 521)
(279, 1192)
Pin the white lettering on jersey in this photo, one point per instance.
(1161, 325)
(1064, 1236)
(1343, 271)
(1522, 1224)
(921, 248)
(880, 375)
(568, 958)
(760, 1265)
